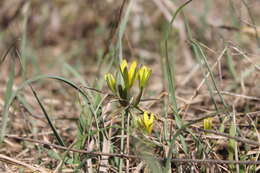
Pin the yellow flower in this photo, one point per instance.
(132, 73)
(146, 122)
(129, 75)
(207, 123)
(144, 74)
(111, 82)
(123, 65)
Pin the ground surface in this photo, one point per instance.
(213, 55)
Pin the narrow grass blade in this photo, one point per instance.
(170, 73)
(122, 29)
(171, 85)
(75, 73)
(7, 101)
(58, 137)
(194, 42)
(231, 66)
(10, 95)
(23, 57)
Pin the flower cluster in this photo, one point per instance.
(129, 74)
(121, 86)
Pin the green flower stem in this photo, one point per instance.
(138, 98)
(122, 139)
(128, 141)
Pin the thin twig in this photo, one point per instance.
(126, 156)
(239, 95)
(239, 139)
(257, 67)
(253, 22)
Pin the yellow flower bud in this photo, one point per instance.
(132, 74)
(146, 122)
(129, 75)
(143, 76)
(207, 123)
(111, 82)
(123, 65)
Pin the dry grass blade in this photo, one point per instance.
(18, 163)
(104, 159)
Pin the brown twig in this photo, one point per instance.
(126, 156)
(239, 139)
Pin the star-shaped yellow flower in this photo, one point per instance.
(146, 122)
(129, 74)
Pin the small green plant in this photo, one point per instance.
(123, 82)
(121, 87)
